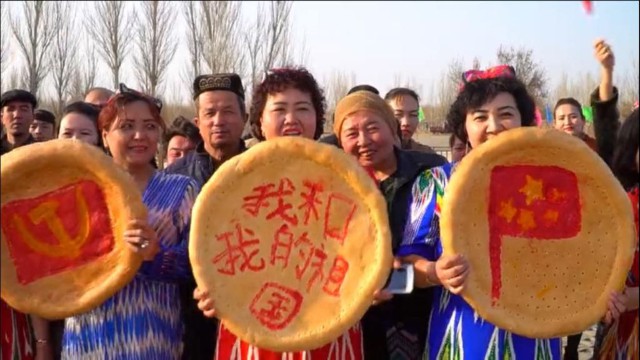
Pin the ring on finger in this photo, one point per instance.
(144, 244)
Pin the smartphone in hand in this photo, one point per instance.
(401, 281)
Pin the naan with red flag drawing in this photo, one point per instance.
(531, 211)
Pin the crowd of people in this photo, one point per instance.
(162, 314)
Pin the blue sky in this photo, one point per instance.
(418, 39)
(378, 41)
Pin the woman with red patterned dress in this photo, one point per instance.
(287, 103)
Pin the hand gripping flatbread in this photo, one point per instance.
(290, 239)
(65, 206)
(546, 227)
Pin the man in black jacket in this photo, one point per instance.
(17, 107)
(221, 115)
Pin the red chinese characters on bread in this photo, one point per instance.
(276, 305)
(57, 231)
(294, 245)
(536, 202)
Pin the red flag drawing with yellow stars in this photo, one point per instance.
(536, 202)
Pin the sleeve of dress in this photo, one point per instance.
(422, 228)
(605, 123)
(172, 262)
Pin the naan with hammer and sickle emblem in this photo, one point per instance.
(64, 208)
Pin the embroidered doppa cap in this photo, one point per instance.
(229, 82)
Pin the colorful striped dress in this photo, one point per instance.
(455, 330)
(142, 321)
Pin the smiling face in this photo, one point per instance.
(367, 136)
(493, 117)
(568, 118)
(133, 137)
(289, 113)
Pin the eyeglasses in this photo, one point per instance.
(124, 90)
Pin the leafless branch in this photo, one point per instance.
(63, 56)
(337, 86)
(156, 47)
(222, 36)
(195, 41)
(4, 38)
(34, 33)
(531, 73)
(110, 29)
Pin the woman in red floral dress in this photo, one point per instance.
(287, 103)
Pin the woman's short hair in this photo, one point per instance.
(478, 92)
(279, 80)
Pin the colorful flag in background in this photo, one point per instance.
(588, 7)
(548, 114)
(538, 118)
(421, 114)
(587, 112)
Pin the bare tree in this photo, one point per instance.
(110, 29)
(445, 92)
(301, 52)
(156, 47)
(476, 64)
(277, 45)
(336, 87)
(34, 31)
(195, 41)
(629, 83)
(84, 76)
(16, 79)
(409, 82)
(222, 36)
(4, 39)
(65, 45)
(530, 72)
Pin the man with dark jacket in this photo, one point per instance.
(221, 115)
(17, 115)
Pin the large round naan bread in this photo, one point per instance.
(546, 227)
(291, 239)
(65, 206)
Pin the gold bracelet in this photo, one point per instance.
(42, 341)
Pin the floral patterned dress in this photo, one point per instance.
(455, 330)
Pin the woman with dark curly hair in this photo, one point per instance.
(288, 102)
(489, 103)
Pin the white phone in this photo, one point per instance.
(401, 281)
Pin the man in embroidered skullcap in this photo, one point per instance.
(220, 117)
